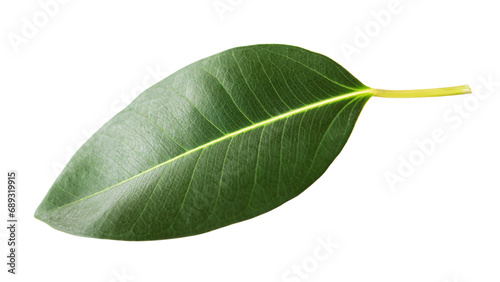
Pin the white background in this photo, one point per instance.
(60, 82)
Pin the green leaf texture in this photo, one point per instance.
(220, 141)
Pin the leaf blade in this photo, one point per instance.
(199, 116)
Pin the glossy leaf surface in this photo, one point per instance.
(222, 140)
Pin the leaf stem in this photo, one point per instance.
(436, 92)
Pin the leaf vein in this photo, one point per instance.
(243, 130)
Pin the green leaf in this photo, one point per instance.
(220, 141)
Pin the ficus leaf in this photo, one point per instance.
(220, 141)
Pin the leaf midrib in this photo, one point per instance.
(230, 135)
